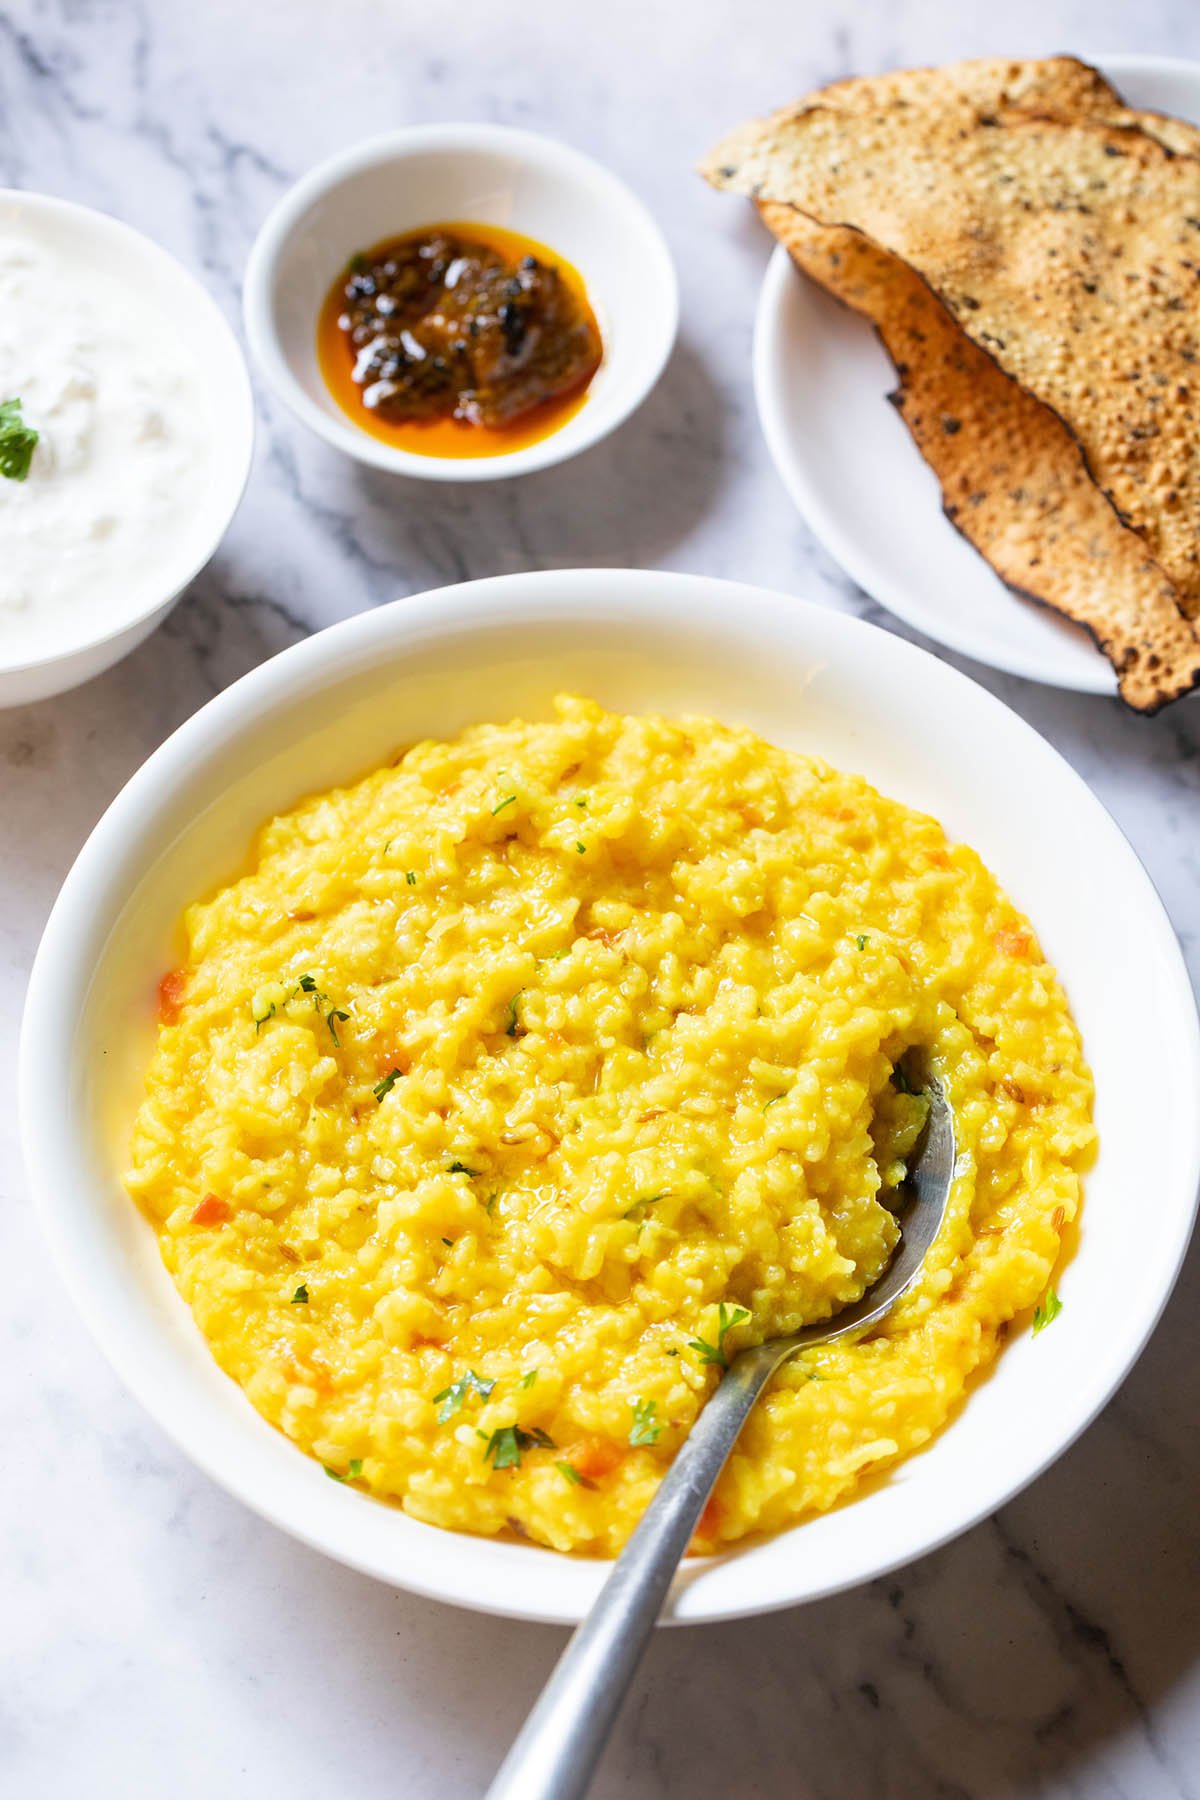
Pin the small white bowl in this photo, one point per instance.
(433, 173)
(80, 653)
(802, 675)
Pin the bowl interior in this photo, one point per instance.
(93, 238)
(804, 677)
(498, 177)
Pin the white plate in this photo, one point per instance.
(821, 378)
(803, 676)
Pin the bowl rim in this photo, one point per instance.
(242, 422)
(96, 892)
(398, 145)
(870, 572)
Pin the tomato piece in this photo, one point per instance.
(171, 990)
(707, 1526)
(593, 1458)
(1011, 940)
(212, 1210)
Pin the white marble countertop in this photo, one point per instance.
(155, 1638)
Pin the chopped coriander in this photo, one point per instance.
(410, 875)
(727, 1318)
(646, 1428)
(508, 800)
(672, 1353)
(1046, 1310)
(862, 940)
(491, 1201)
(300, 1297)
(260, 1018)
(351, 1472)
(529, 1377)
(505, 1445)
(383, 1088)
(580, 847)
(452, 1399)
(322, 1004)
(460, 1168)
(17, 441)
(449, 1243)
(570, 1473)
(510, 1029)
(775, 1101)
(581, 802)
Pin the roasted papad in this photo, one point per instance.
(1057, 227)
(1012, 477)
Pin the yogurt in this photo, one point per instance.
(112, 515)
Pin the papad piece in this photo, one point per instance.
(1013, 479)
(1068, 251)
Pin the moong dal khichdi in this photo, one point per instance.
(520, 1083)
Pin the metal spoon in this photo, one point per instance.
(555, 1754)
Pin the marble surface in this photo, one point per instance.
(154, 1637)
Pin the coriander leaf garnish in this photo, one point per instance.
(384, 1087)
(510, 1029)
(449, 1243)
(508, 800)
(570, 1473)
(410, 875)
(862, 940)
(17, 441)
(900, 1079)
(727, 1318)
(1046, 1310)
(460, 1168)
(351, 1472)
(775, 1101)
(300, 1297)
(529, 1377)
(505, 1445)
(580, 847)
(452, 1399)
(581, 803)
(646, 1428)
(322, 1004)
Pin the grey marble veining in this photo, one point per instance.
(155, 1638)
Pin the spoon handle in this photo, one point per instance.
(556, 1751)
